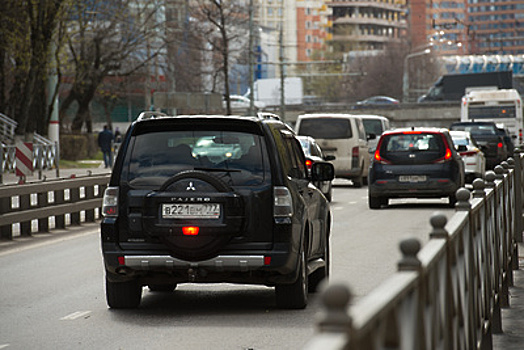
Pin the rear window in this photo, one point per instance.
(476, 129)
(412, 147)
(235, 157)
(326, 128)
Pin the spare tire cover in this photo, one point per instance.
(213, 234)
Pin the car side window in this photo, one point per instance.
(295, 155)
(361, 130)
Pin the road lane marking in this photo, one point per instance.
(3, 346)
(75, 315)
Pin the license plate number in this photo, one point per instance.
(412, 178)
(191, 211)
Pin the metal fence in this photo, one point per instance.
(30, 206)
(447, 294)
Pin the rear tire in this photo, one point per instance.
(374, 202)
(294, 296)
(123, 295)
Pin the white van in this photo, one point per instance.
(374, 125)
(342, 136)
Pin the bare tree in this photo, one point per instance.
(108, 37)
(27, 30)
(223, 28)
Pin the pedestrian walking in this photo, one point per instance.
(105, 142)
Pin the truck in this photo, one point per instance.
(267, 91)
(451, 87)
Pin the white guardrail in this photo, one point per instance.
(447, 294)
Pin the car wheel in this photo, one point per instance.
(452, 201)
(375, 202)
(357, 182)
(123, 295)
(165, 288)
(294, 296)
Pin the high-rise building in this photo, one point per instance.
(366, 24)
(312, 28)
(467, 26)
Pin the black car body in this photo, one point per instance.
(214, 199)
(414, 163)
(489, 138)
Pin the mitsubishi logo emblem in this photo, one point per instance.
(190, 186)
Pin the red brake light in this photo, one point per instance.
(448, 154)
(468, 153)
(190, 230)
(500, 145)
(309, 163)
(121, 260)
(411, 132)
(355, 152)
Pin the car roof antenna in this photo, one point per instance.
(412, 128)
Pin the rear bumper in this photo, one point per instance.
(433, 188)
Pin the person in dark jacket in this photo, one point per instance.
(105, 142)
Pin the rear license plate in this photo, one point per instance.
(412, 178)
(191, 211)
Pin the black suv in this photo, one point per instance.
(490, 139)
(214, 199)
(415, 163)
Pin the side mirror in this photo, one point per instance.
(371, 136)
(322, 171)
(329, 158)
(462, 148)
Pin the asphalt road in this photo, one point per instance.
(52, 290)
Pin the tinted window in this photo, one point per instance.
(412, 148)
(476, 129)
(373, 126)
(157, 156)
(326, 128)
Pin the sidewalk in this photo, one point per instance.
(92, 168)
(513, 317)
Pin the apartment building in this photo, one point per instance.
(367, 25)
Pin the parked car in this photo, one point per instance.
(342, 136)
(377, 101)
(374, 125)
(174, 214)
(488, 137)
(313, 154)
(474, 160)
(415, 163)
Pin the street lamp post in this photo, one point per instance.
(405, 77)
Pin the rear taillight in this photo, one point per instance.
(468, 153)
(355, 152)
(378, 158)
(500, 145)
(448, 155)
(309, 163)
(283, 203)
(110, 202)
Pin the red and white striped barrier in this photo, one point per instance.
(24, 159)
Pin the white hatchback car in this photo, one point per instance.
(474, 159)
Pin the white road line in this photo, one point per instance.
(75, 315)
(3, 346)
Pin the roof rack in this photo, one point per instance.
(267, 115)
(150, 115)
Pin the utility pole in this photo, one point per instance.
(282, 70)
(251, 71)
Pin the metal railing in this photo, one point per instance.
(447, 294)
(33, 204)
(7, 129)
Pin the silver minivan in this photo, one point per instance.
(342, 136)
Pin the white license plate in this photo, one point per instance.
(412, 178)
(191, 211)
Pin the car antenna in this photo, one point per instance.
(412, 128)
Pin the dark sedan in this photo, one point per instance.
(414, 163)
